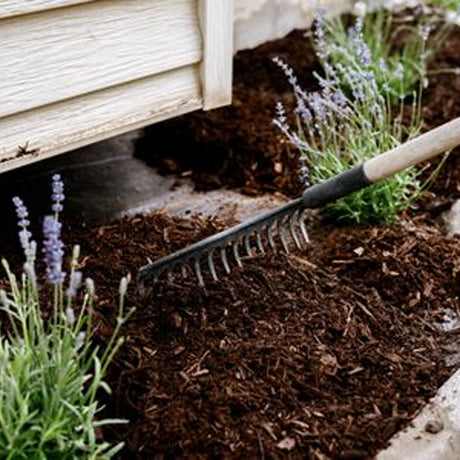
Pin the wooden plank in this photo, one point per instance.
(10, 8)
(63, 53)
(216, 20)
(74, 123)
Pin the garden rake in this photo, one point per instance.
(288, 221)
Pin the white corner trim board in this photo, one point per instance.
(216, 20)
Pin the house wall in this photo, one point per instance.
(78, 71)
(258, 21)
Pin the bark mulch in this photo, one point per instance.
(317, 354)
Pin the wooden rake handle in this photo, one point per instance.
(415, 151)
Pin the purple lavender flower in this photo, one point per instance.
(320, 33)
(363, 54)
(80, 340)
(303, 112)
(53, 250)
(57, 193)
(292, 79)
(383, 65)
(318, 107)
(359, 46)
(398, 72)
(281, 120)
(28, 246)
(90, 288)
(425, 31)
(339, 100)
(74, 283)
(70, 315)
(21, 210)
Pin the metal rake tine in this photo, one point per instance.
(198, 273)
(247, 245)
(236, 255)
(223, 256)
(293, 232)
(303, 227)
(259, 241)
(211, 266)
(271, 240)
(239, 237)
(279, 228)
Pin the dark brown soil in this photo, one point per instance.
(442, 104)
(314, 355)
(330, 351)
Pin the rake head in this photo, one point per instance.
(272, 230)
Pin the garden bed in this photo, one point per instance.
(325, 352)
(321, 353)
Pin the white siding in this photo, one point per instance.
(70, 124)
(59, 54)
(75, 72)
(20, 7)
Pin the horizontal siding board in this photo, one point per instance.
(66, 52)
(10, 8)
(71, 124)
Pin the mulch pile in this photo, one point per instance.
(324, 353)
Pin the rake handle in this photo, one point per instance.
(415, 151)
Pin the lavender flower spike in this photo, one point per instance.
(74, 283)
(90, 288)
(57, 193)
(70, 315)
(53, 250)
(28, 246)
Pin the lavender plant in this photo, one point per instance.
(407, 32)
(350, 120)
(50, 368)
(397, 67)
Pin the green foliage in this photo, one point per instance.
(51, 370)
(451, 5)
(353, 118)
(398, 51)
